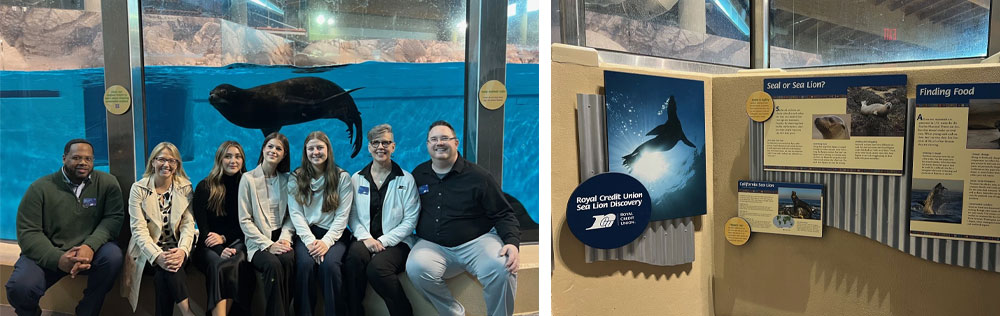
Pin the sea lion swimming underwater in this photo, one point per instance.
(269, 107)
(667, 136)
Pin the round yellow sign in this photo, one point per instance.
(760, 106)
(117, 100)
(737, 231)
(493, 94)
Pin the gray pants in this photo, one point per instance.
(429, 264)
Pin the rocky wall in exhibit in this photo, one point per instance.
(53, 39)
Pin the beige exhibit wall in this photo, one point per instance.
(841, 273)
(612, 287)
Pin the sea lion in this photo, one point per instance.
(667, 136)
(269, 107)
(881, 109)
(800, 209)
(832, 127)
(934, 199)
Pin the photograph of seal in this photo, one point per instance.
(983, 128)
(831, 127)
(667, 136)
(292, 101)
(800, 209)
(881, 109)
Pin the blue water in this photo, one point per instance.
(407, 96)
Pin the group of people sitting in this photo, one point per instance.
(317, 230)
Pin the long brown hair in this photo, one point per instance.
(331, 172)
(216, 190)
(285, 164)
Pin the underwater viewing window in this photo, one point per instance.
(716, 31)
(51, 91)
(827, 32)
(397, 62)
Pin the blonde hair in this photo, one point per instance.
(305, 173)
(216, 190)
(170, 148)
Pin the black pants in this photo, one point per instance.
(230, 278)
(29, 281)
(277, 273)
(327, 274)
(381, 269)
(171, 288)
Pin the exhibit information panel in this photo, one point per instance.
(837, 125)
(782, 208)
(955, 191)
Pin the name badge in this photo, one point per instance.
(88, 202)
(363, 190)
(423, 189)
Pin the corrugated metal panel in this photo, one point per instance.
(664, 243)
(877, 207)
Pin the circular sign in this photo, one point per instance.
(737, 231)
(117, 100)
(608, 210)
(760, 106)
(493, 94)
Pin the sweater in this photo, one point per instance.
(227, 225)
(51, 219)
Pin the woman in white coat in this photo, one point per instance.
(263, 210)
(319, 200)
(385, 213)
(162, 231)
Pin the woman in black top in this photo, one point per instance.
(221, 254)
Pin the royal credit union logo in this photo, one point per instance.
(603, 221)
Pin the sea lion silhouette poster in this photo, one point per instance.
(955, 189)
(837, 125)
(656, 133)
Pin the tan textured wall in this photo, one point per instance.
(841, 273)
(615, 287)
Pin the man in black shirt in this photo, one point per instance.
(465, 224)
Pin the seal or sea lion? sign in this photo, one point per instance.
(271, 106)
(608, 210)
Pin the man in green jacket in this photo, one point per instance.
(62, 220)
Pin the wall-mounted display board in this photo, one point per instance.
(656, 133)
(837, 124)
(782, 208)
(650, 247)
(955, 191)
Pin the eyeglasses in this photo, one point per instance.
(441, 139)
(164, 160)
(383, 143)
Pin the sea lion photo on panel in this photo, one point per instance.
(292, 101)
(831, 126)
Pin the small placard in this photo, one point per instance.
(117, 100)
(493, 94)
(760, 106)
(737, 231)
(608, 210)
